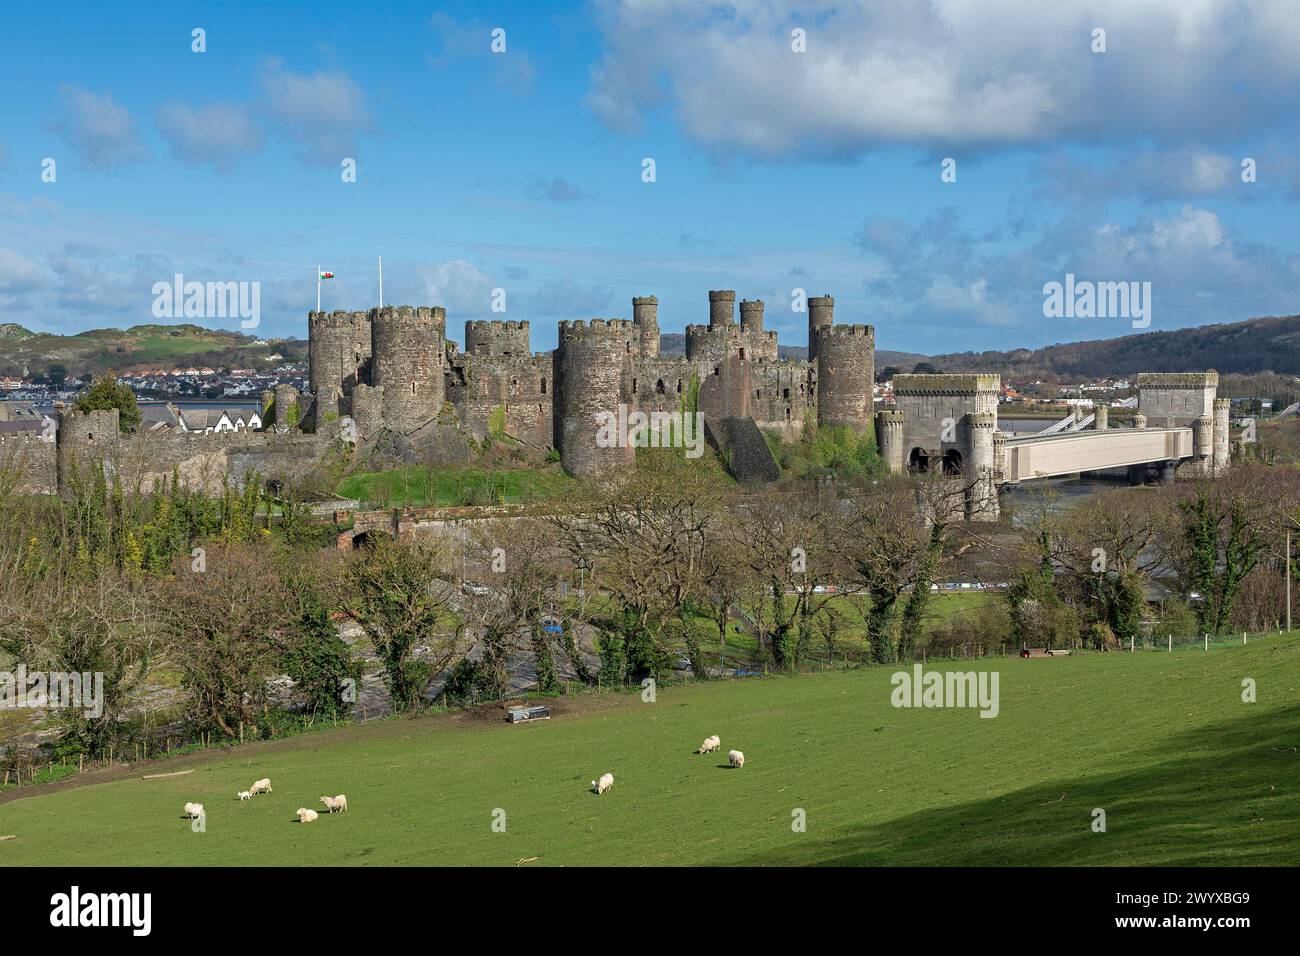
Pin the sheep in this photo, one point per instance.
(339, 803)
(710, 744)
(606, 781)
(736, 758)
(306, 816)
(244, 795)
(261, 786)
(193, 810)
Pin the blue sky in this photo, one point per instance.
(776, 170)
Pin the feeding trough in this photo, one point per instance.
(519, 715)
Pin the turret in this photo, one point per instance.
(645, 315)
(846, 372)
(722, 307)
(409, 363)
(821, 314)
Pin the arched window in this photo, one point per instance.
(543, 385)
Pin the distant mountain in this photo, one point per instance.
(137, 348)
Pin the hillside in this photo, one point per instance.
(138, 348)
(1186, 773)
(1255, 345)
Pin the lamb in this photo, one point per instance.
(244, 795)
(306, 816)
(710, 744)
(261, 786)
(339, 803)
(606, 781)
(193, 810)
(736, 758)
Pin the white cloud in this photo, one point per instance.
(946, 72)
(461, 287)
(325, 111)
(101, 133)
(217, 134)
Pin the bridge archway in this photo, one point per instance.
(952, 462)
(918, 461)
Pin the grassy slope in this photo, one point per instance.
(1186, 772)
(454, 486)
(96, 350)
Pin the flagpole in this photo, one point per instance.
(381, 282)
(318, 288)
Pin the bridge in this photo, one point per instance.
(950, 423)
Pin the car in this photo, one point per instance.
(683, 664)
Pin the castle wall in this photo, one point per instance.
(515, 393)
(35, 459)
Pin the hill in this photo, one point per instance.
(1186, 772)
(1249, 347)
(138, 348)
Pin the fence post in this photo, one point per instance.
(1207, 642)
(1243, 637)
(1171, 643)
(1130, 644)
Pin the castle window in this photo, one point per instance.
(633, 386)
(758, 393)
(412, 387)
(543, 386)
(785, 393)
(742, 355)
(89, 437)
(717, 370)
(659, 387)
(679, 386)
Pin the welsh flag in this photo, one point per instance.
(327, 275)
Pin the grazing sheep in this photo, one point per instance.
(606, 781)
(193, 810)
(244, 795)
(710, 744)
(736, 758)
(306, 816)
(339, 803)
(261, 786)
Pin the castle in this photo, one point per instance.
(392, 369)
(389, 379)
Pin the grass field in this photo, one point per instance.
(428, 485)
(1186, 772)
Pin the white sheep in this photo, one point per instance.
(736, 758)
(193, 810)
(306, 816)
(710, 744)
(245, 795)
(606, 781)
(261, 786)
(339, 803)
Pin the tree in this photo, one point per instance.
(103, 625)
(106, 393)
(226, 626)
(641, 537)
(398, 592)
